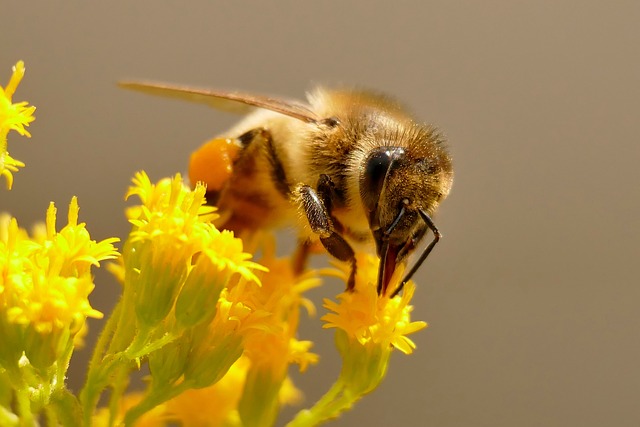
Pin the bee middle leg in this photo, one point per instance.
(319, 217)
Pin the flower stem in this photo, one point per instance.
(155, 397)
(117, 391)
(22, 397)
(337, 400)
(92, 389)
(104, 337)
(142, 345)
(50, 415)
(65, 407)
(24, 407)
(8, 418)
(97, 380)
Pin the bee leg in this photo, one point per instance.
(340, 249)
(320, 222)
(436, 238)
(301, 256)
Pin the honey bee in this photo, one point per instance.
(348, 168)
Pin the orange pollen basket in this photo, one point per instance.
(212, 163)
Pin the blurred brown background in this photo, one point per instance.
(533, 294)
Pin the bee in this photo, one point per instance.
(349, 169)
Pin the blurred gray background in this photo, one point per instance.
(532, 296)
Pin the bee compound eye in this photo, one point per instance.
(377, 166)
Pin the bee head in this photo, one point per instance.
(399, 185)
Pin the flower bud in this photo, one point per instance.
(162, 271)
(199, 295)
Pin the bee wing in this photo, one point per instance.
(235, 102)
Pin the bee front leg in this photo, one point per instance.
(321, 224)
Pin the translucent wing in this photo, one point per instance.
(235, 102)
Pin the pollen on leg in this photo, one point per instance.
(212, 163)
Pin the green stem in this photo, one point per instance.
(117, 365)
(62, 366)
(97, 381)
(139, 349)
(50, 416)
(154, 398)
(24, 407)
(21, 389)
(41, 396)
(338, 406)
(65, 407)
(329, 397)
(123, 334)
(92, 389)
(104, 337)
(117, 391)
(101, 366)
(8, 418)
(337, 400)
(140, 340)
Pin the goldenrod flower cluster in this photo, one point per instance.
(217, 330)
(368, 327)
(13, 116)
(45, 284)
(197, 309)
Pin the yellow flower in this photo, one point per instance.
(368, 318)
(368, 328)
(79, 337)
(46, 281)
(175, 252)
(254, 326)
(276, 346)
(215, 346)
(48, 278)
(289, 393)
(215, 265)
(211, 406)
(187, 283)
(12, 117)
(166, 197)
(281, 296)
(71, 251)
(53, 303)
(15, 116)
(168, 231)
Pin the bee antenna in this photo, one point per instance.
(436, 237)
(385, 245)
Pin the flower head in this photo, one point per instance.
(369, 318)
(12, 117)
(276, 345)
(46, 280)
(368, 328)
(175, 252)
